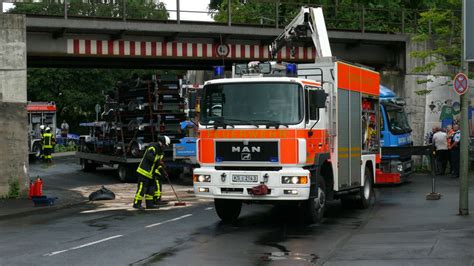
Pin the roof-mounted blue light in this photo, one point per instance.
(291, 70)
(219, 71)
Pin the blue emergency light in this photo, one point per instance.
(219, 71)
(291, 69)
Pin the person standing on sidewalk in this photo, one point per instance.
(440, 143)
(449, 134)
(454, 151)
(146, 182)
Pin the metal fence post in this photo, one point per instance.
(65, 9)
(229, 13)
(403, 20)
(277, 11)
(178, 18)
(124, 10)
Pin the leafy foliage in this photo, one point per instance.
(75, 91)
(13, 189)
(134, 9)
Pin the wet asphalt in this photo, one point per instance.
(402, 228)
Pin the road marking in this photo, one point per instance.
(208, 208)
(168, 221)
(82, 246)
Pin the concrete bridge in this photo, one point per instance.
(101, 42)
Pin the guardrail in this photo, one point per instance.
(264, 13)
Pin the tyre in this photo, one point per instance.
(228, 210)
(127, 173)
(366, 193)
(314, 208)
(37, 150)
(88, 166)
(135, 150)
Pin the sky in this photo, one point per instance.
(185, 5)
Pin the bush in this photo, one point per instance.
(64, 148)
(13, 189)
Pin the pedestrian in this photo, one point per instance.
(64, 131)
(440, 143)
(146, 183)
(449, 135)
(454, 151)
(47, 145)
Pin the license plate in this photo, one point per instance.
(245, 178)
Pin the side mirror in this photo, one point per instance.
(318, 98)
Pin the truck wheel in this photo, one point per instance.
(366, 193)
(126, 173)
(37, 150)
(88, 166)
(228, 210)
(314, 208)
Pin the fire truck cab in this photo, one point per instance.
(306, 137)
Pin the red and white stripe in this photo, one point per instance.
(181, 50)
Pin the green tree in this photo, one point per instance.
(440, 31)
(134, 9)
(75, 91)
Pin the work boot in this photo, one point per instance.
(156, 200)
(150, 205)
(138, 205)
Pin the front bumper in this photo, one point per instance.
(222, 186)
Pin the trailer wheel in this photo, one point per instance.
(228, 210)
(366, 193)
(88, 166)
(126, 173)
(37, 150)
(314, 208)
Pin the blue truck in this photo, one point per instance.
(395, 131)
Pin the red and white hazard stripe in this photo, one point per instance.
(181, 49)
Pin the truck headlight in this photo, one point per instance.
(201, 178)
(294, 179)
(400, 168)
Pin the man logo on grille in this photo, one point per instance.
(245, 156)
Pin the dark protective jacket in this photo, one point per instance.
(151, 160)
(47, 140)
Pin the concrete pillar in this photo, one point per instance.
(13, 116)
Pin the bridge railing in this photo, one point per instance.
(263, 13)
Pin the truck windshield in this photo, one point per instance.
(397, 120)
(254, 103)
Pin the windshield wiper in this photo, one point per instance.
(270, 123)
(240, 121)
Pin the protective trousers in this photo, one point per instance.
(144, 189)
(47, 154)
(156, 188)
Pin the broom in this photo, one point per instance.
(179, 203)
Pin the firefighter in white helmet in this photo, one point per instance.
(47, 143)
(150, 165)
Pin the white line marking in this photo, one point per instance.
(82, 246)
(208, 208)
(167, 221)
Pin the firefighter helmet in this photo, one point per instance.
(48, 129)
(164, 140)
(42, 127)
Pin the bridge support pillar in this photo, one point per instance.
(13, 116)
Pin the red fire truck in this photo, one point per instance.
(295, 134)
(39, 113)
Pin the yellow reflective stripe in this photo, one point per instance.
(157, 192)
(148, 197)
(144, 173)
(138, 196)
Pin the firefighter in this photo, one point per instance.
(146, 169)
(42, 127)
(163, 141)
(47, 146)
